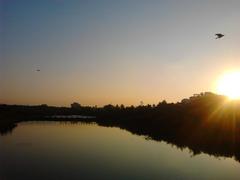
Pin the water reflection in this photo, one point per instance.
(6, 128)
(195, 147)
(51, 150)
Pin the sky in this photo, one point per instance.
(120, 52)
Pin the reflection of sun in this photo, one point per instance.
(229, 85)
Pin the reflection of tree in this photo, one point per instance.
(6, 128)
(204, 122)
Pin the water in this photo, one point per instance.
(71, 117)
(52, 150)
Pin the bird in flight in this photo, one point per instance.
(219, 35)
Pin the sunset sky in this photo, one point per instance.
(120, 52)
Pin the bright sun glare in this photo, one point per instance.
(229, 85)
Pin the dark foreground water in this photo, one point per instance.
(52, 150)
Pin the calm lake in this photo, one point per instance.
(53, 150)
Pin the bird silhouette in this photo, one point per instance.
(219, 35)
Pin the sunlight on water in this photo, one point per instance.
(43, 150)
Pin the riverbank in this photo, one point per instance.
(205, 123)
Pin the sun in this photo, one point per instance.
(229, 85)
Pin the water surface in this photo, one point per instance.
(52, 150)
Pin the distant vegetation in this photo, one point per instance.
(205, 122)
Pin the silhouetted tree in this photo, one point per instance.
(76, 105)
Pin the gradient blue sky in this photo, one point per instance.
(100, 52)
